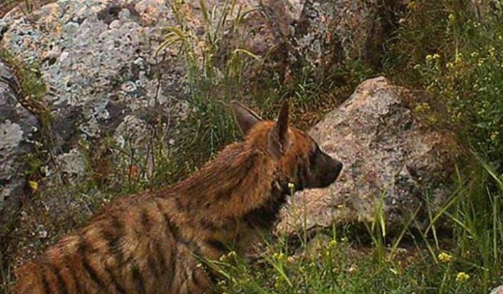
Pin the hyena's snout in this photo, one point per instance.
(326, 170)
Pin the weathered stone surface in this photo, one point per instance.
(110, 94)
(99, 61)
(331, 32)
(387, 154)
(497, 290)
(17, 130)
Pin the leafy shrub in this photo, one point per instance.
(446, 49)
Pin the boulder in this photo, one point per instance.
(111, 93)
(391, 160)
(18, 131)
(110, 97)
(18, 128)
(330, 33)
(109, 87)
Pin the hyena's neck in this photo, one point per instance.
(240, 180)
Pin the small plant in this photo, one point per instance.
(212, 84)
(456, 56)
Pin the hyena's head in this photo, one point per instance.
(299, 158)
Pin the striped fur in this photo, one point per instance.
(148, 243)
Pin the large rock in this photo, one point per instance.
(389, 157)
(108, 87)
(18, 128)
(329, 33)
(110, 95)
(111, 98)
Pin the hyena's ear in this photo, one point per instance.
(245, 117)
(278, 137)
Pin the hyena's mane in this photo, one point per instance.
(242, 179)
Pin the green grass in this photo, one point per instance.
(440, 48)
(344, 261)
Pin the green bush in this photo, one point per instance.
(445, 48)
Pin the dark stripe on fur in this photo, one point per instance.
(73, 275)
(62, 287)
(217, 245)
(45, 283)
(83, 248)
(137, 279)
(114, 282)
(113, 235)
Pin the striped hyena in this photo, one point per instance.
(151, 242)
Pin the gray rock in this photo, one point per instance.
(17, 130)
(389, 157)
(497, 290)
(110, 94)
(99, 61)
(98, 58)
(328, 33)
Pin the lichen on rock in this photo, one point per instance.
(391, 160)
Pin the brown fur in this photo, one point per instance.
(148, 243)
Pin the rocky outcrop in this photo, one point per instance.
(391, 160)
(111, 92)
(18, 128)
(328, 33)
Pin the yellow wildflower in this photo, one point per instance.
(452, 18)
(462, 277)
(412, 5)
(279, 256)
(33, 185)
(444, 257)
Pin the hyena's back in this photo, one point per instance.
(134, 247)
